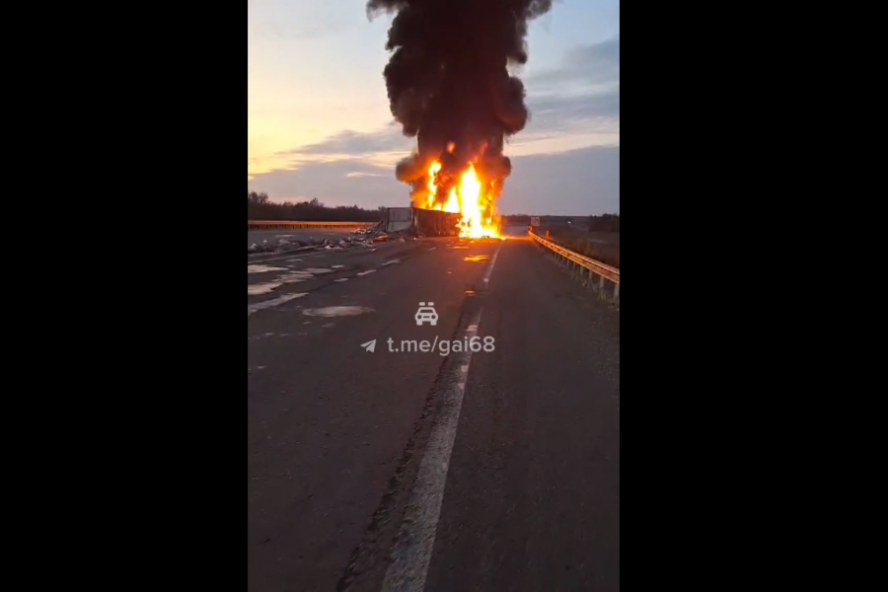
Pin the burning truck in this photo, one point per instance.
(423, 221)
(459, 190)
(450, 87)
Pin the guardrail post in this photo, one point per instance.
(577, 264)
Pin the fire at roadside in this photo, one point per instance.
(398, 224)
(460, 189)
(450, 86)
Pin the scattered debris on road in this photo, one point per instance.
(364, 237)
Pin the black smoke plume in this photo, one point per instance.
(449, 85)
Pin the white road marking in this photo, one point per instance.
(341, 280)
(251, 308)
(392, 262)
(492, 263)
(416, 537)
(288, 278)
(337, 311)
(369, 271)
(258, 289)
(258, 268)
(295, 276)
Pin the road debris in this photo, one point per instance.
(363, 237)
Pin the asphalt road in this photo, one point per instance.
(273, 236)
(393, 470)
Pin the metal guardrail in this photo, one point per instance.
(585, 267)
(257, 224)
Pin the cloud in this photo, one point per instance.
(583, 94)
(567, 160)
(357, 143)
(357, 174)
(576, 182)
(598, 112)
(603, 104)
(573, 106)
(598, 63)
(382, 148)
(339, 182)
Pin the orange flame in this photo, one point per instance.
(470, 198)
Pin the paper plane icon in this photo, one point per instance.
(370, 346)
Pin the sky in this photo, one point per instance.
(319, 124)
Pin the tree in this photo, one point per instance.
(260, 207)
(604, 223)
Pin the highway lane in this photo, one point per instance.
(337, 435)
(304, 234)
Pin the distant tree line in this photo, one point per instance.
(260, 208)
(604, 223)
